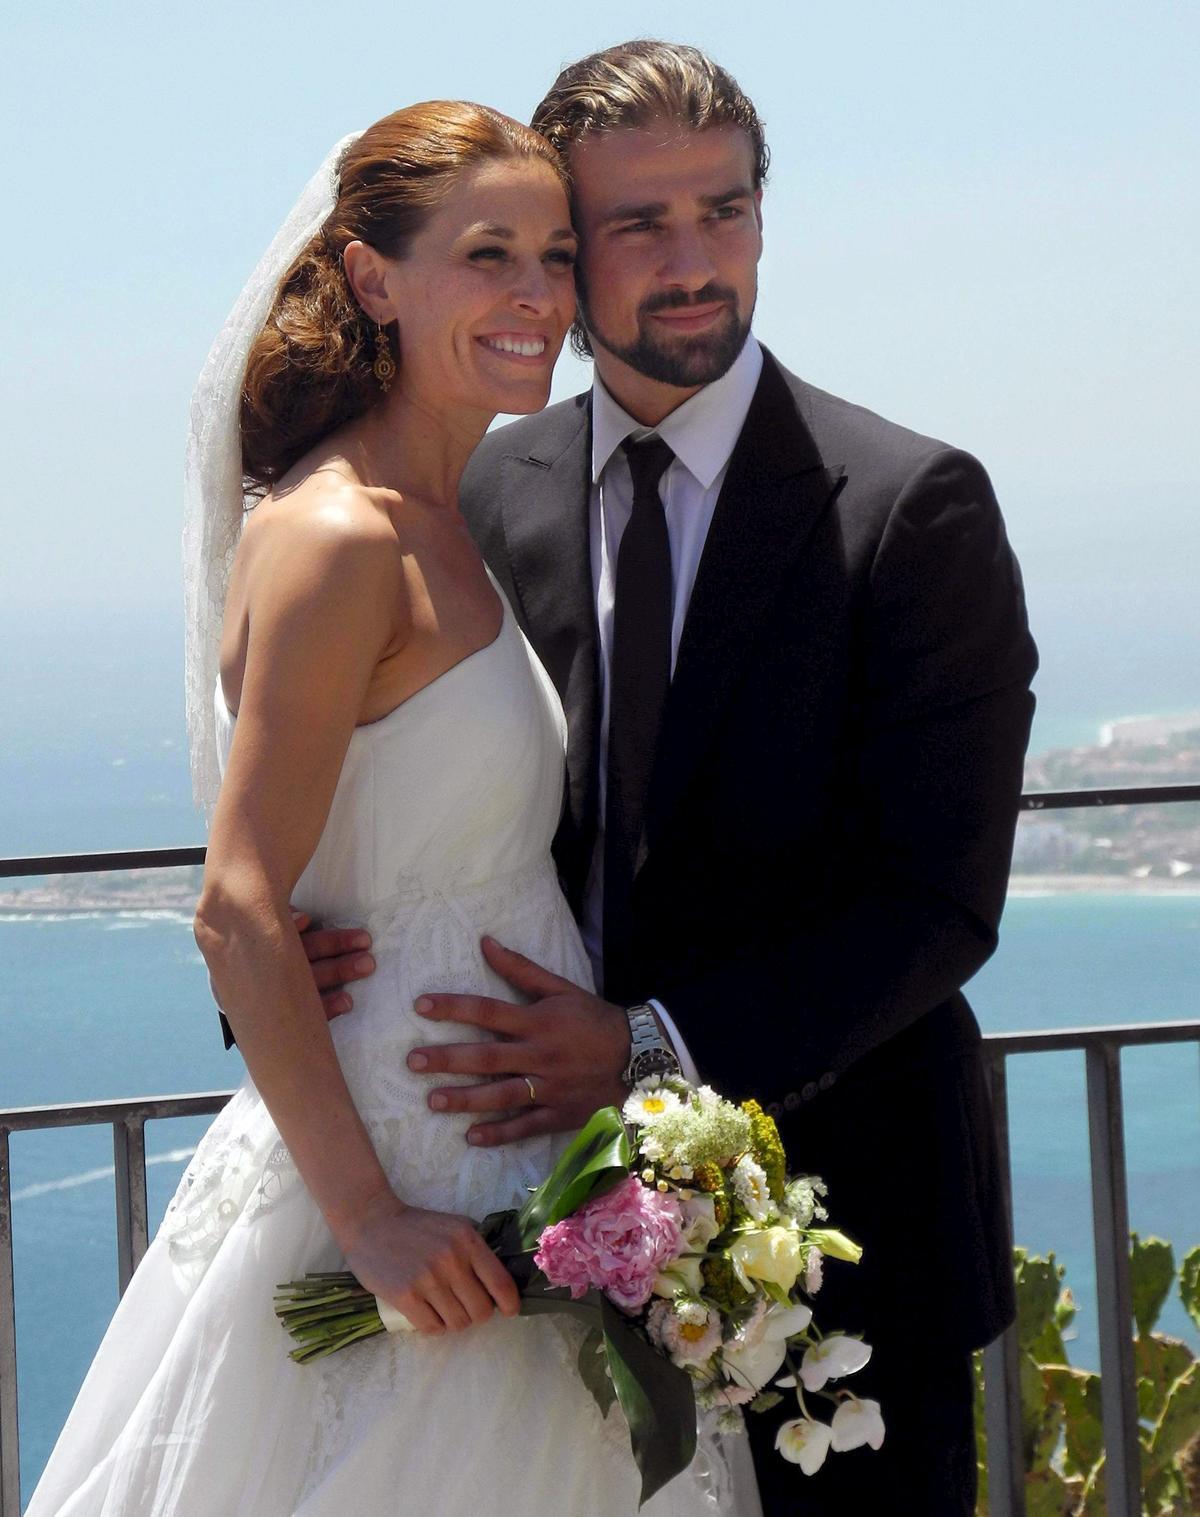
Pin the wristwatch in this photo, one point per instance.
(649, 1051)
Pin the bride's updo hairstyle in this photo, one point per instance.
(309, 370)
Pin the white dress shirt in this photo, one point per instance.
(701, 433)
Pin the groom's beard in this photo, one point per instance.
(679, 361)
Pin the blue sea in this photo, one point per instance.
(105, 1005)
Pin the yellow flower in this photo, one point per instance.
(767, 1253)
(767, 1148)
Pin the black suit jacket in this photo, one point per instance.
(830, 819)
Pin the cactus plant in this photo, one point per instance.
(1061, 1425)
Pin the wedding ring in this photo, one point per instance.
(529, 1085)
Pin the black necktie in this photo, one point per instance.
(641, 673)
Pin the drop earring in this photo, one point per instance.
(384, 367)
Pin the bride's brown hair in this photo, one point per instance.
(309, 369)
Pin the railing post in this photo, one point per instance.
(10, 1459)
(1110, 1221)
(129, 1161)
(1001, 1369)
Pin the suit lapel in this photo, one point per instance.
(545, 495)
(776, 489)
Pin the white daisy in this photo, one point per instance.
(644, 1106)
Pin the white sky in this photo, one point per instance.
(982, 221)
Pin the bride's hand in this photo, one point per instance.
(432, 1266)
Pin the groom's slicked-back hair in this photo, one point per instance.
(636, 83)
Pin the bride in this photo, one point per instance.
(392, 755)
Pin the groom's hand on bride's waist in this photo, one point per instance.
(552, 1063)
(336, 956)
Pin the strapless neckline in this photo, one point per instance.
(473, 657)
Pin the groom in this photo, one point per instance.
(791, 644)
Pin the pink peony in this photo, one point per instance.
(617, 1243)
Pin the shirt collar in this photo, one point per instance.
(701, 432)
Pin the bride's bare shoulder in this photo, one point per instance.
(310, 550)
(326, 511)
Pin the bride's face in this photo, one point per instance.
(487, 291)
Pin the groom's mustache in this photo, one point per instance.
(673, 300)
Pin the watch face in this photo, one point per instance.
(654, 1061)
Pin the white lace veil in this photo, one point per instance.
(214, 500)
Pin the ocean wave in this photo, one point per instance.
(116, 919)
(53, 916)
(91, 1176)
(149, 914)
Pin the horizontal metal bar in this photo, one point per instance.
(1114, 1292)
(1120, 1035)
(91, 1113)
(10, 1462)
(1136, 795)
(165, 858)
(99, 863)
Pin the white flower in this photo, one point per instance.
(786, 1321)
(646, 1102)
(751, 1356)
(813, 1271)
(655, 1320)
(650, 1147)
(690, 1311)
(750, 1187)
(857, 1422)
(800, 1200)
(804, 1442)
(753, 1364)
(699, 1217)
(687, 1342)
(832, 1358)
(681, 1276)
(708, 1096)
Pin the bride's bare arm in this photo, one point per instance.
(324, 593)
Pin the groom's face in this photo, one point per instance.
(670, 238)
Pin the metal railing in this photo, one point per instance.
(1101, 1047)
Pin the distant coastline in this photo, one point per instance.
(1030, 885)
(1149, 850)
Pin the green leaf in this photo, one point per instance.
(1046, 1495)
(1165, 1493)
(540, 1296)
(1064, 1314)
(1095, 1493)
(1041, 1419)
(765, 1400)
(1179, 1422)
(1189, 1284)
(1078, 1393)
(1159, 1361)
(597, 1158)
(658, 1401)
(1151, 1272)
(593, 1370)
(1038, 1284)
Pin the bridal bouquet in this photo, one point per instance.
(671, 1230)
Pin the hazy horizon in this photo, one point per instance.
(981, 224)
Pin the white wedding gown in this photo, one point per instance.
(439, 832)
